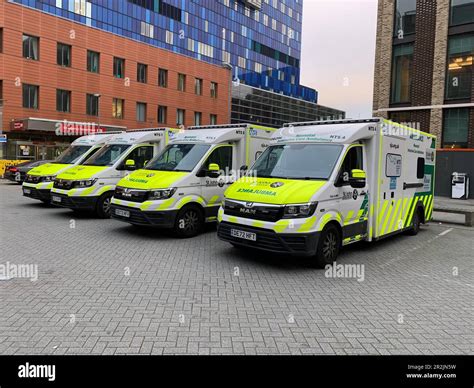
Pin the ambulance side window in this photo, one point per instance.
(420, 171)
(353, 161)
(221, 156)
(141, 155)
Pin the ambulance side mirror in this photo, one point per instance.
(358, 179)
(243, 170)
(213, 171)
(130, 165)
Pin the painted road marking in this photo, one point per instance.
(445, 232)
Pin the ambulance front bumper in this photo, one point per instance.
(158, 219)
(41, 192)
(75, 203)
(294, 244)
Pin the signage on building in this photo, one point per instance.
(18, 125)
(3, 138)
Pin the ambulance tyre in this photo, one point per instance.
(416, 222)
(103, 205)
(189, 222)
(328, 246)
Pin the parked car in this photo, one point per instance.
(18, 173)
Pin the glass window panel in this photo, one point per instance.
(402, 64)
(456, 126)
(462, 12)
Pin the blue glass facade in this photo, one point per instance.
(260, 39)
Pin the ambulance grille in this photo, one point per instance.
(63, 184)
(256, 212)
(131, 195)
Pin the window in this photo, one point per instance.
(182, 82)
(118, 108)
(462, 12)
(221, 156)
(1, 40)
(92, 105)
(64, 55)
(63, 101)
(459, 73)
(179, 157)
(198, 86)
(213, 90)
(180, 116)
(352, 161)
(163, 78)
(405, 18)
(119, 67)
(455, 128)
(213, 119)
(142, 73)
(141, 111)
(197, 118)
(31, 47)
(141, 156)
(401, 73)
(162, 114)
(30, 96)
(93, 61)
(420, 168)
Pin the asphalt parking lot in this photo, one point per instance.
(104, 287)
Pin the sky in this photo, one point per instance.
(338, 53)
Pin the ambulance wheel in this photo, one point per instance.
(416, 223)
(328, 246)
(103, 205)
(189, 222)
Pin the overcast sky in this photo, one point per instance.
(339, 51)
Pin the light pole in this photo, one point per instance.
(230, 67)
(98, 96)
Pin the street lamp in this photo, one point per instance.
(98, 96)
(230, 67)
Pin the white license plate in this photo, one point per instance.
(243, 235)
(27, 191)
(54, 198)
(122, 213)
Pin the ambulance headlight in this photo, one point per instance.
(156, 195)
(85, 183)
(300, 211)
(50, 178)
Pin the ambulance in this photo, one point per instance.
(324, 185)
(90, 186)
(39, 181)
(183, 187)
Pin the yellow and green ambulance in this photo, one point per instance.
(39, 181)
(324, 185)
(183, 187)
(90, 186)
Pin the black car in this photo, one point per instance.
(18, 173)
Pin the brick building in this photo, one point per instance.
(423, 70)
(424, 77)
(53, 69)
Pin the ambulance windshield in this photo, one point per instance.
(179, 157)
(72, 154)
(107, 155)
(298, 161)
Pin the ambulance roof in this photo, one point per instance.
(339, 131)
(209, 135)
(91, 140)
(139, 136)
